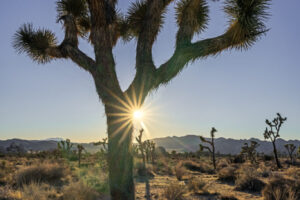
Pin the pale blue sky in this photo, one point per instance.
(234, 91)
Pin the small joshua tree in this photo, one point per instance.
(250, 151)
(141, 146)
(65, 147)
(290, 149)
(152, 151)
(104, 145)
(272, 133)
(80, 148)
(149, 150)
(211, 143)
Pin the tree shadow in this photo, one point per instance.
(147, 186)
(146, 180)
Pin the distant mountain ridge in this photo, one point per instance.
(188, 143)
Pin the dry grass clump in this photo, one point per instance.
(174, 191)
(227, 174)
(280, 188)
(247, 180)
(141, 170)
(198, 167)
(161, 167)
(227, 198)
(179, 171)
(196, 184)
(45, 172)
(293, 172)
(264, 171)
(222, 163)
(79, 191)
(35, 191)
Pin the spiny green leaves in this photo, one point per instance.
(136, 15)
(78, 9)
(247, 19)
(192, 15)
(34, 42)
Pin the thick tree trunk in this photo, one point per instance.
(275, 154)
(120, 158)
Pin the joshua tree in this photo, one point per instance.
(272, 133)
(65, 147)
(141, 146)
(149, 150)
(80, 148)
(104, 145)
(152, 151)
(290, 149)
(102, 25)
(212, 144)
(250, 151)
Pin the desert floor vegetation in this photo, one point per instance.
(173, 176)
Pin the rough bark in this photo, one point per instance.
(120, 157)
(276, 155)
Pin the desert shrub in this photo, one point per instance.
(222, 163)
(267, 158)
(293, 172)
(247, 180)
(79, 191)
(179, 171)
(35, 191)
(227, 174)
(238, 159)
(264, 171)
(45, 172)
(280, 188)
(196, 184)
(227, 198)
(94, 178)
(162, 167)
(174, 191)
(141, 170)
(193, 166)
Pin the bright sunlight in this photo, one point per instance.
(137, 115)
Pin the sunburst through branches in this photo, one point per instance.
(132, 114)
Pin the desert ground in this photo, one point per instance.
(171, 176)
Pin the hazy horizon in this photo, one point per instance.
(234, 91)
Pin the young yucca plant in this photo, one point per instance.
(99, 22)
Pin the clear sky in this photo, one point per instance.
(234, 91)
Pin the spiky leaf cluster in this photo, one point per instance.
(192, 15)
(137, 16)
(274, 127)
(34, 42)
(247, 19)
(77, 9)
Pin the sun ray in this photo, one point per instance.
(125, 133)
(140, 97)
(119, 99)
(120, 128)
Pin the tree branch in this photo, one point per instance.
(207, 148)
(201, 49)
